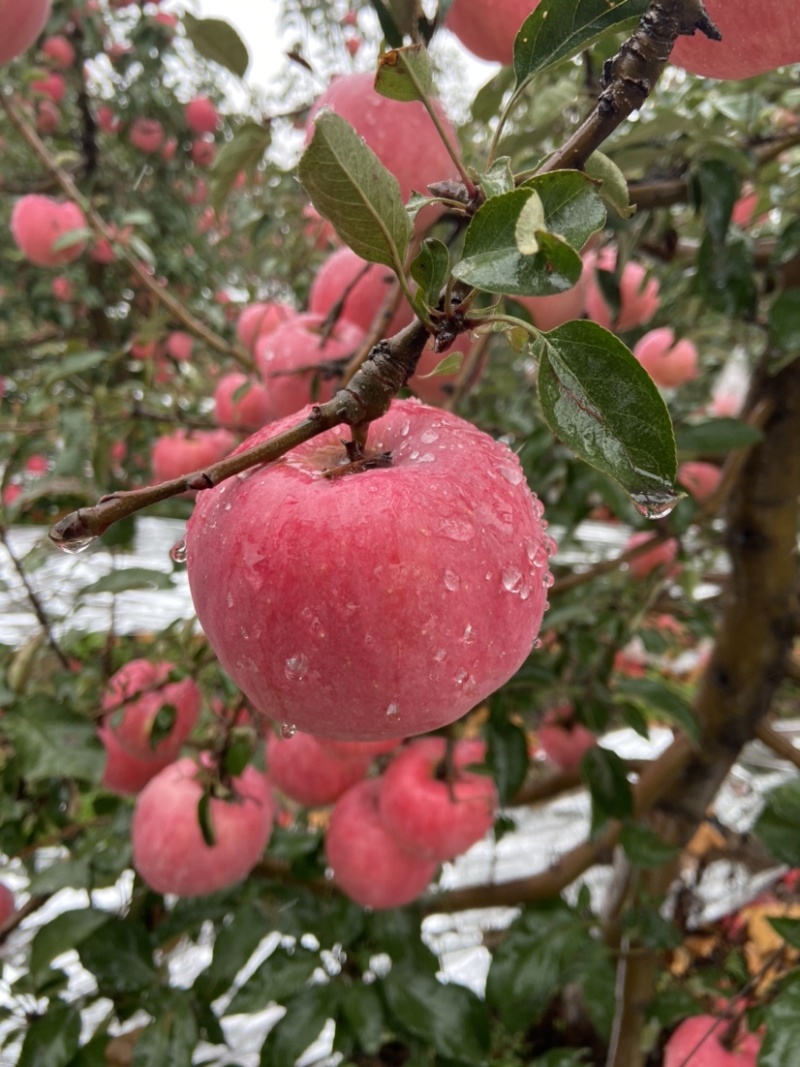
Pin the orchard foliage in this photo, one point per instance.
(600, 302)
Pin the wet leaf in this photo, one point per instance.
(607, 778)
(778, 826)
(300, 1026)
(405, 73)
(779, 1048)
(52, 1039)
(614, 187)
(279, 977)
(655, 696)
(52, 742)
(218, 41)
(644, 848)
(120, 581)
(430, 269)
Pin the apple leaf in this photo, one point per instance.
(302, 1024)
(63, 933)
(232, 949)
(243, 152)
(451, 364)
(498, 255)
(607, 778)
(716, 436)
(787, 929)
(506, 755)
(429, 270)
(279, 977)
(361, 1011)
(50, 741)
(613, 187)
(53, 1038)
(172, 1036)
(644, 848)
(218, 41)
(556, 31)
(779, 1047)
(405, 73)
(498, 179)
(546, 948)
(120, 957)
(450, 1019)
(600, 401)
(128, 578)
(658, 697)
(350, 187)
(492, 260)
(778, 825)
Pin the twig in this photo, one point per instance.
(367, 398)
(779, 744)
(160, 292)
(33, 599)
(606, 566)
(734, 464)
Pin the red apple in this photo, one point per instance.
(186, 451)
(401, 135)
(21, 24)
(350, 749)
(241, 403)
(639, 298)
(180, 345)
(48, 117)
(367, 862)
(201, 115)
(203, 151)
(262, 318)
(52, 86)
(662, 554)
(107, 120)
(169, 850)
(669, 363)
(366, 285)
(298, 367)
(38, 222)
(302, 769)
(429, 815)
(59, 51)
(169, 149)
(563, 740)
(7, 904)
(378, 604)
(125, 773)
(146, 134)
(488, 27)
(140, 690)
(62, 290)
(696, 1043)
(701, 480)
(757, 36)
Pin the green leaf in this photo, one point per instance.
(120, 581)
(63, 933)
(780, 1044)
(349, 186)
(451, 364)
(362, 1009)
(405, 73)
(119, 956)
(430, 269)
(644, 848)
(450, 1019)
(78, 363)
(600, 401)
(657, 696)
(605, 775)
(778, 826)
(506, 755)
(555, 31)
(717, 184)
(545, 949)
(492, 259)
(52, 742)
(234, 945)
(573, 207)
(243, 152)
(716, 436)
(724, 277)
(614, 186)
(300, 1026)
(529, 224)
(788, 929)
(171, 1038)
(52, 1039)
(279, 977)
(784, 329)
(218, 41)
(498, 179)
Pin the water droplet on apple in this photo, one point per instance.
(512, 579)
(537, 554)
(464, 679)
(178, 551)
(468, 636)
(414, 455)
(405, 428)
(76, 545)
(296, 667)
(547, 580)
(440, 654)
(229, 600)
(451, 581)
(428, 437)
(525, 592)
(537, 643)
(427, 458)
(393, 711)
(456, 529)
(244, 633)
(513, 475)
(316, 628)
(288, 730)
